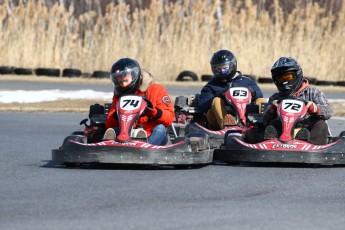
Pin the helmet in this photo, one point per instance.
(123, 67)
(287, 75)
(224, 58)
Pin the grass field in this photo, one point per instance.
(169, 38)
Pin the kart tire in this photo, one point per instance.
(265, 80)
(311, 80)
(6, 69)
(195, 166)
(50, 72)
(71, 73)
(325, 83)
(100, 74)
(199, 141)
(187, 76)
(341, 83)
(23, 71)
(71, 164)
(206, 77)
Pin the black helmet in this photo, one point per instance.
(287, 75)
(123, 67)
(224, 58)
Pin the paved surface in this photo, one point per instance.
(35, 194)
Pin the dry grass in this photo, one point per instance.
(169, 38)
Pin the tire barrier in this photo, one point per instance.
(187, 76)
(23, 71)
(325, 83)
(50, 72)
(206, 77)
(6, 69)
(101, 74)
(71, 73)
(312, 80)
(265, 80)
(341, 83)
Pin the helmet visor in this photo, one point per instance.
(123, 78)
(223, 69)
(286, 77)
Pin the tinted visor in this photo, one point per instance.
(286, 77)
(223, 68)
(119, 76)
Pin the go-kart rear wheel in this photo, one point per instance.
(71, 164)
(199, 141)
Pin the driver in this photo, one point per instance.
(212, 100)
(128, 78)
(287, 75)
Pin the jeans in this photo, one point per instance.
(158, 136)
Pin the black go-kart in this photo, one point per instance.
(289, 146)
(192, 150)
(190, 120)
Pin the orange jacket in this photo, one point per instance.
(160, 99)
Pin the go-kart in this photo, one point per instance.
(126, 149)
(290, 146)
(191, 120)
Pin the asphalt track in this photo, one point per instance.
(37, 194)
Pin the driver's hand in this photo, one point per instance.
(312, 108)
(148, 102)
(273, 107)
(90, 130)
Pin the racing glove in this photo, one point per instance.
(312, 108)
(273, 107)
(220, 95)
(151, 111)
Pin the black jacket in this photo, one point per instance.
(215, 86)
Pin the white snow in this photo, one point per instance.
(23, 96)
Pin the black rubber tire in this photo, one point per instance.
(50, 72)
(341, 83)
(6, 69)
(265, 80)
(311, 80)
(23, 71)
(71, 73)
(101, 74)
(187, 76)
(206, 77)
(325, 83)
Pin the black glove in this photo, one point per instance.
(149, 103)
(220, 95)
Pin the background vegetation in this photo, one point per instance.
(167, 37)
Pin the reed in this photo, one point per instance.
(169, 38)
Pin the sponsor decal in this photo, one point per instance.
(284, 146)
(166, 99)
